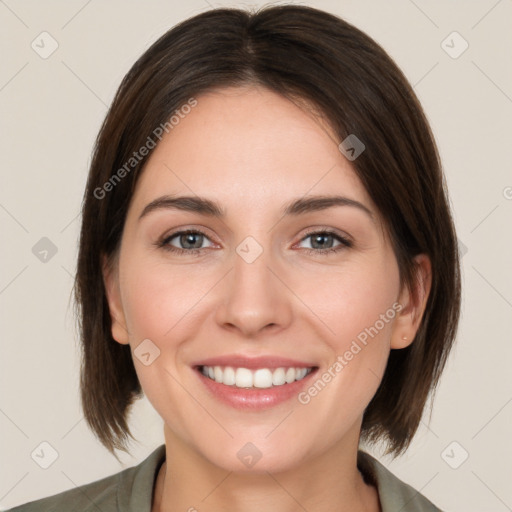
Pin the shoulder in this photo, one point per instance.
(393, 493)
(100, 494)
(130, 489)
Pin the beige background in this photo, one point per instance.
(51, 110)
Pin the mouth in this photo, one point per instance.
(262, 378)
(254, 383)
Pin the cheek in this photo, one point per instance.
(159, 299)
(352, 301)
(161, 304)
(358, 307)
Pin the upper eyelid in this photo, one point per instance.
(333, 231)
(180, 231)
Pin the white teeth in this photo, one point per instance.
(261, 378)
(278, 377)
(243, 378)
(302, 373)
(229, 377)
(290, 375)
(217, 372)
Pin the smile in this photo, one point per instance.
(254, 383)
(260, 378)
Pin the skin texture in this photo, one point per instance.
(253, 151)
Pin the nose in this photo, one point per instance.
(254, 298)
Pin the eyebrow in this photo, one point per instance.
(211, 208)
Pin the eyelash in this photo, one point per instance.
(164, 243)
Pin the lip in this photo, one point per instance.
(253, 363)
(255, 399)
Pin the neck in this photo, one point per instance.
(330, 481)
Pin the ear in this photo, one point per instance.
(413, 304)
(112, 290)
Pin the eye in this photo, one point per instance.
(322, 242)
(191, 241)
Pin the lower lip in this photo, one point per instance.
(255, 398)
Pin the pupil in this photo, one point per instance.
(189, 237)
(319, 237)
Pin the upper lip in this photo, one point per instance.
(240, 361)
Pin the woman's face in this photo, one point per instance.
(257, 288)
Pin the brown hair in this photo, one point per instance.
(299, 52)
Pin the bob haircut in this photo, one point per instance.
(306, 55)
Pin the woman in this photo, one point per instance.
(267, 253)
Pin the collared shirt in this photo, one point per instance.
(131, 490)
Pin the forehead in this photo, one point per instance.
(248, 146)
